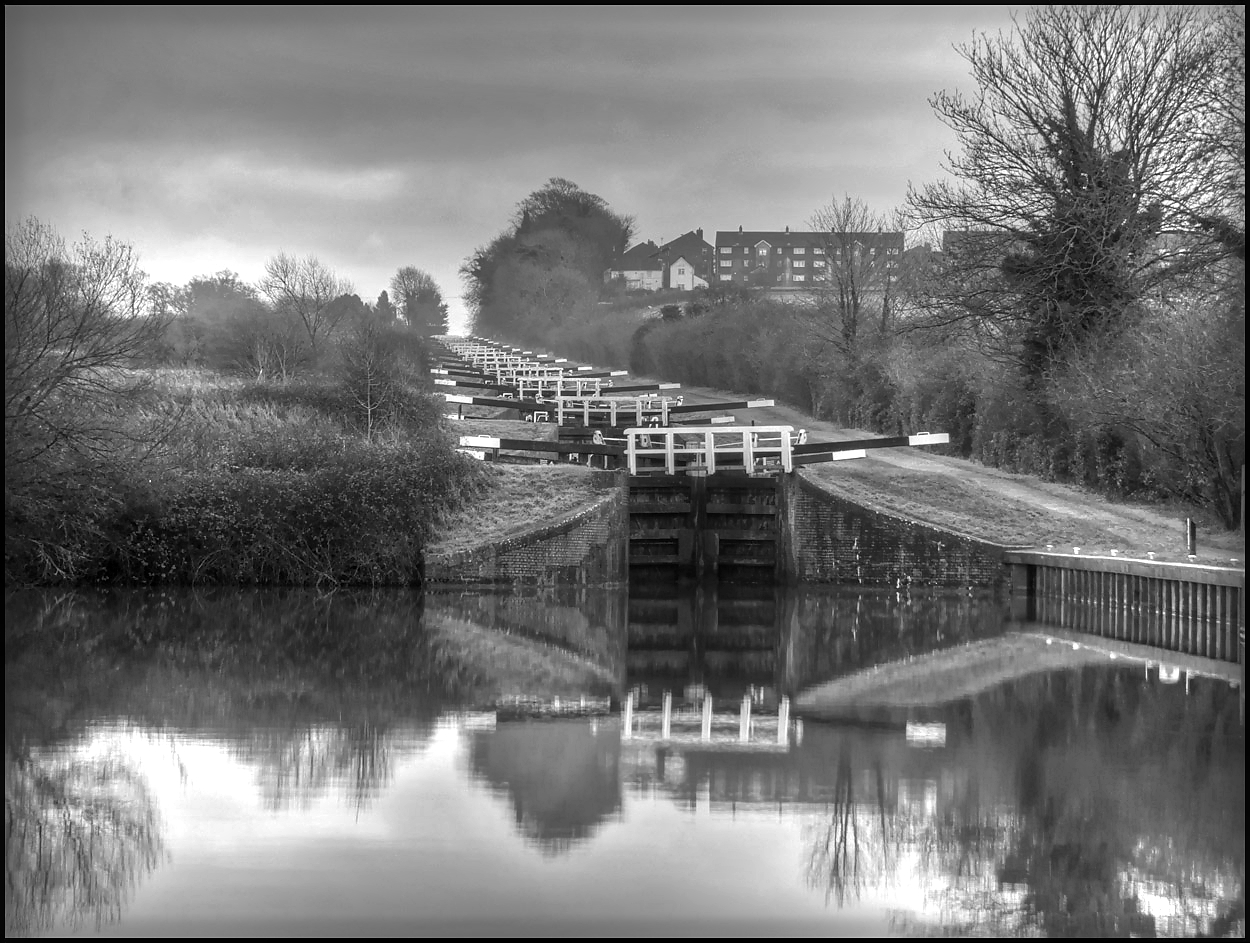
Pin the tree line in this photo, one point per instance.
(217, 432)
(1072, 299)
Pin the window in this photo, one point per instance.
(726, 263)
(800, 278)
(799, 250)
(726, 278)
(763, 251)
(818, 251)
(799, 263)
(726, 250)
(681, 271)
(818, 263)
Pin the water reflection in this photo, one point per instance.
(561, 777)
(1097, 801)
(1089, 802)
(81, 832)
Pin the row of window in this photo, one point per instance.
(802, 250)
(794, 263)
(763, 250)
(793, 278)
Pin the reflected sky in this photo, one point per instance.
(442, 846)
(155, 789)
(552, 827)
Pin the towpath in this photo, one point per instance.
(1017, 510)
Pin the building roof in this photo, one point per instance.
(643, 257)
(691, 245)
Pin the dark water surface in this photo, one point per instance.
(286, 762)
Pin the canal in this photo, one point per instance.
(287, 762)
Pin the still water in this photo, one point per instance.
(286, 762)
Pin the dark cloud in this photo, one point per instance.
(378, 135)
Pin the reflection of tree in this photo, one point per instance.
(80, 833)
(319, 691)
(296, 766)
(1085, 802)
(563, 776)
(853, 847)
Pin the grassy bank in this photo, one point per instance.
(512, 500)
(247, 483)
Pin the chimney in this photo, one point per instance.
(787, 229)
(739, 229)
(700, 232)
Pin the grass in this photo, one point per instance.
(505, 428)
(500, 665)
(517, 498)
(968, 508)
(944, 676)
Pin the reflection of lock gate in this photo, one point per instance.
(703, 726)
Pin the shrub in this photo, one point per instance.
(361, 518)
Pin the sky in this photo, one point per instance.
(214, 138)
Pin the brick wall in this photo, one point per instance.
(590, 547)
(830, 539)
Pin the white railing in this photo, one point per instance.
(547, 387)
(751, 447)
(512, 373)
(613, 411)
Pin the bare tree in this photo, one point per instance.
(267, 344)
(371, 372)
(76, 318)
(1223, 135)
(305, 287)
(854, 269)
(1079, 149)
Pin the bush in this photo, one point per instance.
(362, 518)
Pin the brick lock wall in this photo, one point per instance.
(589, 547)
(831, 539)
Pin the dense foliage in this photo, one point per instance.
(547, 265)
(215, 433)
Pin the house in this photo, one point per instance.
(639, 268)
(801, 259)
(687, 261)
(680, 274)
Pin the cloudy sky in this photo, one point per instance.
(375, 137)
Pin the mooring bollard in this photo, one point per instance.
(744, 720)
(707, 718)
(667, 722)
